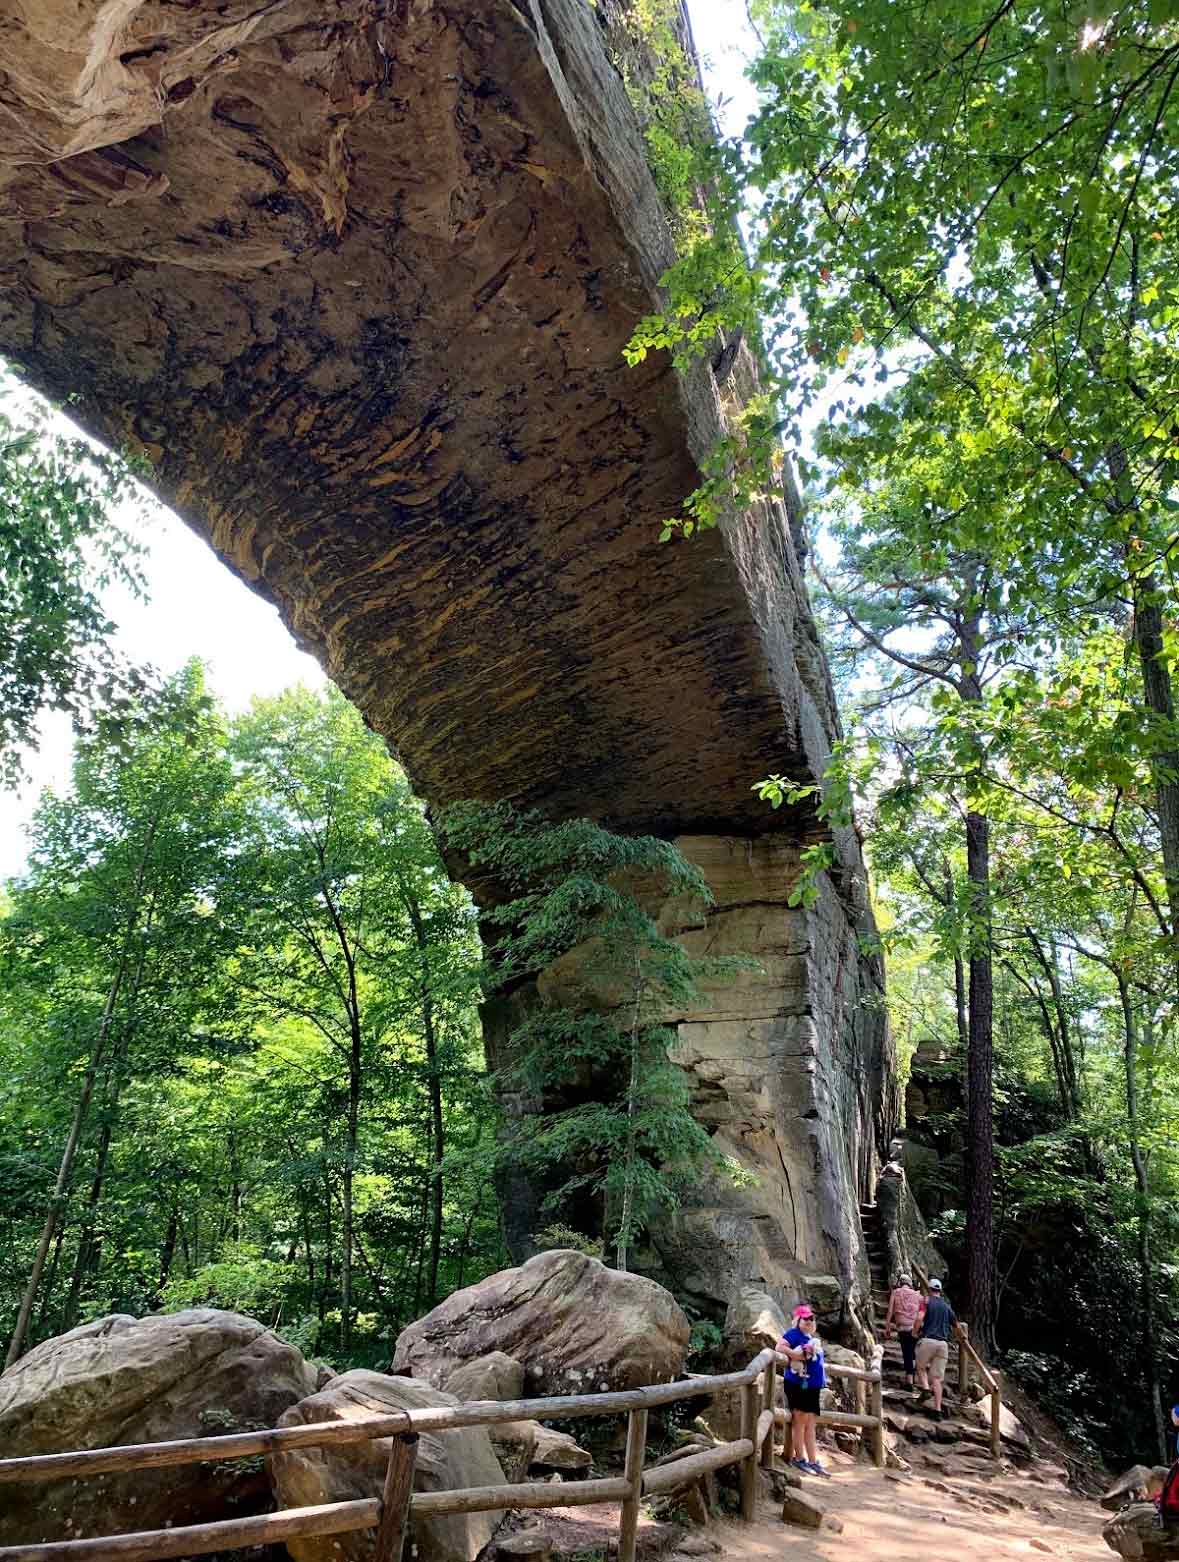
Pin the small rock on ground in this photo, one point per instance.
(801, 1508)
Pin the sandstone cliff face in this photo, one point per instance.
(355, 280)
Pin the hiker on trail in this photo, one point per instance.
(804, 1380)
(904, 1308)
(1175, 1430)
(933, 1348)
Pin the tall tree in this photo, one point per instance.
(350, 926)
(109, 916)
(970, 203)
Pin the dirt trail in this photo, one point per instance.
(891, 1517)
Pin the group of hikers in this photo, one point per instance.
(924, 1325)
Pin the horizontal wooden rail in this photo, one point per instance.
(836, 1418)
(488, 1412)
(852, 1374)
(196, 1450)
(439, 1418)
(391, 1513)
(666, 1477)
(984, 1372)
(331, 1518)
(528, 1494)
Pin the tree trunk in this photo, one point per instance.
(328, 1266)
(57, 1201)
(1146, 1281)
(51, 1277)
(960, 1011)
(235, 1191)
(980, 1136)
(168, 1247)
(84, 1257)
(465, 1245)
(66, 1166)
(346, 1256)
(1160, 701)
(632, 1107)
(434, 1086)
(305, 1227)
(437, 1148)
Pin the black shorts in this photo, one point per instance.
(799, 1397)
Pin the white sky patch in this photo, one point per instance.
(197, 607)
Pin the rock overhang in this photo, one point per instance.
(358, 287)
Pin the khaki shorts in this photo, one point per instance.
(932, 1356)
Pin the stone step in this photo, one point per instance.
(903, 1399)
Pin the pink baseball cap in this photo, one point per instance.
(803, 1311)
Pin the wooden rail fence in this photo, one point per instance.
(391, 1513)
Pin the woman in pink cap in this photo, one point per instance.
(804, 1380)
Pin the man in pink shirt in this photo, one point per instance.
(904, 1305)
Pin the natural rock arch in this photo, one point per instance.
(357, 288)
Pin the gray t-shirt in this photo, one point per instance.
(939, 1319)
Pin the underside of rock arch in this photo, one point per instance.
(355, 280)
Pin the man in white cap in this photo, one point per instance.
(933, 1348)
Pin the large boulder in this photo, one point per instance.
(576, 1326)
(140, 1380)
(1011, 1428)
(825, 1294)
(499, 1377)
(753, 1320)
(304, 1477)
(494, 1376)
(1139, 1482)
(558, 1451)
(1136, 1534)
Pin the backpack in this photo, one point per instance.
(1169, 1497)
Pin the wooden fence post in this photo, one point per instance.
(395, 1498)
(749, 1412)
(964, 1363)
(996, 1425)
(878, 1412)
(632, 1471)
(769, 1388)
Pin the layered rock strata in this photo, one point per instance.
(355, 282)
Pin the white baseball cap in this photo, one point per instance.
(935, 1285)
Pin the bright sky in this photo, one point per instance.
(197, 608)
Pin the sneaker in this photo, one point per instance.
(922, 1396)
(801, 1464)
(817, 1469)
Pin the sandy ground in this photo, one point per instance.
(907, 1519)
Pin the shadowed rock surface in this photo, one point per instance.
(355, 281)
(1137, 1535)
(344, 1472)
(198, 1373)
